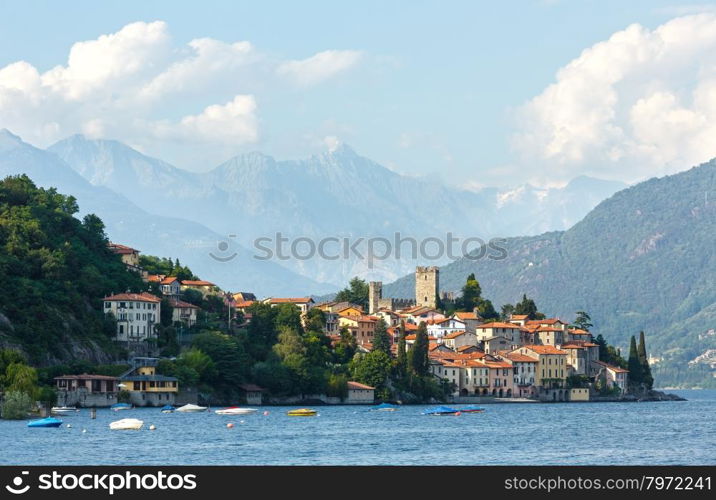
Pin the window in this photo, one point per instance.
(121, 329)
(107, 305)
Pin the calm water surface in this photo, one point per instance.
(588, 433)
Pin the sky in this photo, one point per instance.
(472, 94)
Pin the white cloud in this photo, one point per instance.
(641, 103)
(320, 66)
(233, 122)
(137, 86)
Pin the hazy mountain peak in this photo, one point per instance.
(8, 140)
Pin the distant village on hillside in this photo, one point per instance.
(520, 359)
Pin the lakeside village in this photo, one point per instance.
(458, 357)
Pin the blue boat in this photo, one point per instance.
(385, 407)
(168, 409)
(120, 406)
(471, 409)
(45, 422)
(441, 410)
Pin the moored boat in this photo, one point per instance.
(302, 412)
(45, 422)
(63, 410)
(190, 408)
(441, 411)
(385, 407)
(168, 409)
(471, 409)
(121, 406)
(126, 424)
(235, 410)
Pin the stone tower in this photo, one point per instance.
(375, 293)
(427, 284)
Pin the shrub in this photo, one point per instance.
(16, 405)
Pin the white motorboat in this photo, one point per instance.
(234, 410)
(64, 410)
(190, 408)
(126, 424)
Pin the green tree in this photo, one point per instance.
(419, 352)
(402, 355)
(471, 294)
(356, 293)
(583, 321)
(289, 316)
(381, 339)
(634, 367)
(487, 311)
(506, 312)
(16, 405)
(528, 307)
(20, 377)
(345, 348)
(315, 320)
(372, 368)
(647, 378)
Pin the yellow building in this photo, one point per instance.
(145, 386)
(551, 364)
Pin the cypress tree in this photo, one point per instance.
(419, 352)
(634, 367)
(381, 340)
(647, 378)
(402, 353)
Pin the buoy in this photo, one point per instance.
(152, 427)
(241, 422)
(69, 426)
(266, 414)
(84, 430)
(458, 414)
(229, 425)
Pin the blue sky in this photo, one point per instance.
(437, 89)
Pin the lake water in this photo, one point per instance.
(560, 433)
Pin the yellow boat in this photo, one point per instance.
(302, 412)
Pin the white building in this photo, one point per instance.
(137, 315)
(442, 327)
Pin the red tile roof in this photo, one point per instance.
(358, 385)
(182, 304)
(137, 297)
(497, 324)
(121, 249)
(544, 349)
(196, 283)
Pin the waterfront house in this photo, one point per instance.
(360, 393)
(501, 383)
(145, 386)
(476, 378)
(136, 314)
(87, 391)
(613, 375)
(579, 394)
(523, 373)
(580, 355)
(252, 394)
(551, 370)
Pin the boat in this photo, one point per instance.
(168, 409)
(441, 410)
(121, 406)
(302, 412)
(385, 407)
(471, 409)
(126, 424)
(190, 408)
(235, 410)
(63, 410)
(45, 422)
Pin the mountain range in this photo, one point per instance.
(334, 194)
(643, 259)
